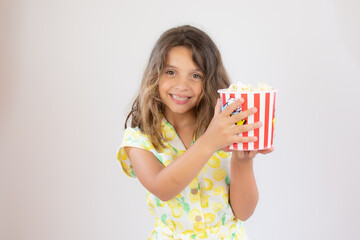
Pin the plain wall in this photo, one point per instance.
(70, 69)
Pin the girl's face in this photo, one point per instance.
(180, 84)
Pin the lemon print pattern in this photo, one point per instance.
(202, 209)
(168, 132)
(214, 162)
(209, 217)
(193, 214)
(177, 211)
(219, 174)
(208, 184)
(205, 201)
(194, 197)
(219, 190)
(217, 206)
(223, 154)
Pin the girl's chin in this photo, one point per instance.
(178, 110)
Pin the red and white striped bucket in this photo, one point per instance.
(264, 101)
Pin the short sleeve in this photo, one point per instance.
(133, 137)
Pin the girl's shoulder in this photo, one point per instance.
(134, 136)
(133, 133)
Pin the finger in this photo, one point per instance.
(217, 109)
(266, 151)
(247, 127)
(239, 139)
(252, 154)
(225, 149)
(244, 114)
(232, 107)
(241, 154)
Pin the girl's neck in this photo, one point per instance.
(184, 124)
(181, 120)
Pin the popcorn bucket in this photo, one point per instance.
(264, 101)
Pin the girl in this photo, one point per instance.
(194, 189)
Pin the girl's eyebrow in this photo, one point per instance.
(171, 66)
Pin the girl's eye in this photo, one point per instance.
(170, 72)
(197, 76)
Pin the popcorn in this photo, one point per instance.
(263, 87)
(240, 87)
(232, 88)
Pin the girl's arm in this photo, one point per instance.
(166, 183)
(244, 194)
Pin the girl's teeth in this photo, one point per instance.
(179, 98)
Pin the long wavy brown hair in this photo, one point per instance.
(147, 110)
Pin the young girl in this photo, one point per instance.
(195, 190)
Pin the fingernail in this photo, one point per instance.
(259, 124)
(254, 110)
(255, 139)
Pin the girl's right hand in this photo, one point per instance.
(223, 131)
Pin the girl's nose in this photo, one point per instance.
(182, 82)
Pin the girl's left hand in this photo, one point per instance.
(248, 155)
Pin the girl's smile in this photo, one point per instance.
(180, 84)
(179, 99)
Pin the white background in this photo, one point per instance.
(70, 70)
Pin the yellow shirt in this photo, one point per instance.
(202, 209)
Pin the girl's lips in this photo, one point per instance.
(178, 99)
